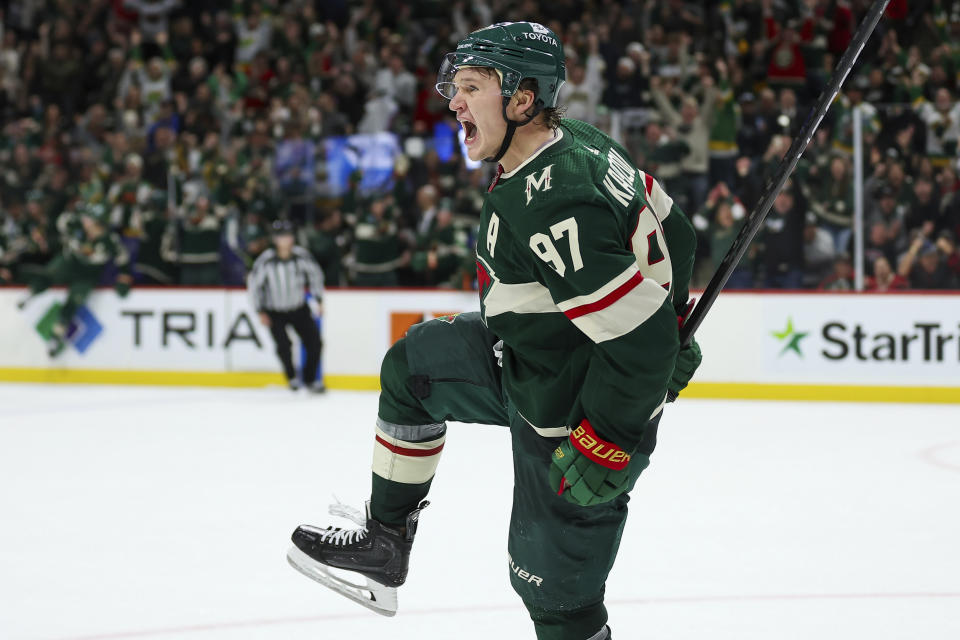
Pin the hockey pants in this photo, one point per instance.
(559, 553)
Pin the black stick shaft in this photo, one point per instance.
(786, 167)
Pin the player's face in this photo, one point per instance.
(478, 106)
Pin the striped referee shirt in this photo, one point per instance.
(279, 285)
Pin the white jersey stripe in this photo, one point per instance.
(522, 297)
(590, 298)
(547, 432)
(526, 297)
(660, 202)
(622, 316)
(659, 407)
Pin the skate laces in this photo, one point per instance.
(345, 536)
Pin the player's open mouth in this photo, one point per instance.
(469, 130)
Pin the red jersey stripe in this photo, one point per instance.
(606, 300)
(406, 451)
(649, 183)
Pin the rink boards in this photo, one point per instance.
(903, 347)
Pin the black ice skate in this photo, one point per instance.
(376, 552)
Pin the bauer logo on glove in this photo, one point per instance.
(605, 453)
(587, 470)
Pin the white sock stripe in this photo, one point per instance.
(406, 462)
(404, 469)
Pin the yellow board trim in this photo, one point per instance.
(155, 378)
(822, 392)
(352, 382)
(722, 145)
(730, 390)
(176, 378)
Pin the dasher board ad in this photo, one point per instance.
(907, 340)
(900, 340)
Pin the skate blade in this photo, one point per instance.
(372, 595)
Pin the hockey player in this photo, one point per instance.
(583, 266)
(88, 247)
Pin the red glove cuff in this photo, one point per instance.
(586, 441)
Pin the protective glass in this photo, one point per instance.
(452, 62)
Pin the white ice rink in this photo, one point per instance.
(165, 514)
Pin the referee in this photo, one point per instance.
(277, 284)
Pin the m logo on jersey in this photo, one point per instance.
(541, 183)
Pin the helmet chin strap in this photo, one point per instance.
(511, 129)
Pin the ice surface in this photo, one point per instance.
(165, 514)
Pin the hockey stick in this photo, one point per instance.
(787, 164)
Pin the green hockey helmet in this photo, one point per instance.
(517, 50)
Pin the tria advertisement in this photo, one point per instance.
(164, 331)
(158, 329)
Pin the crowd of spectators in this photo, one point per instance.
(199, 123)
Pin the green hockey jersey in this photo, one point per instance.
(583, 264)
(86, 256)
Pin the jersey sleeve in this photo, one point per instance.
(583, 258)
(680, 236)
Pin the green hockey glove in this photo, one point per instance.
(587, 470)
(688, 359)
